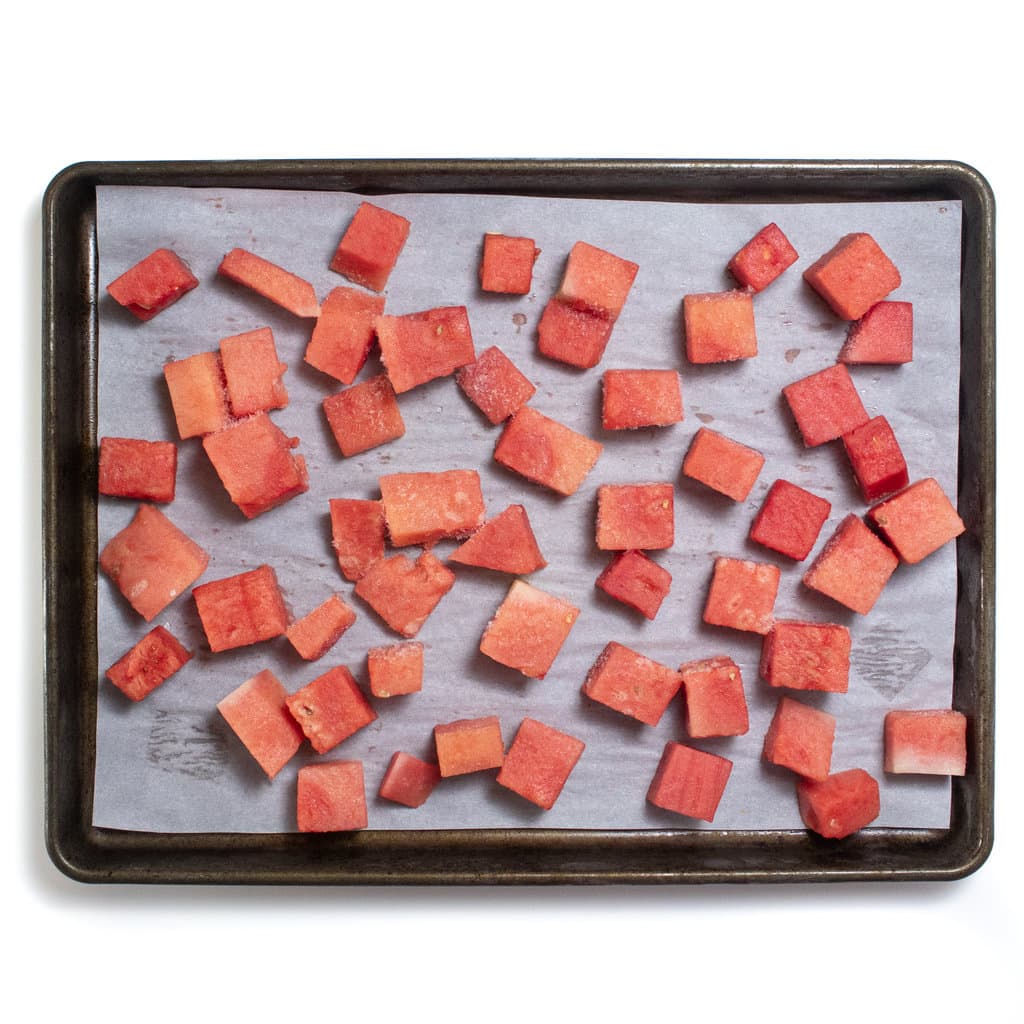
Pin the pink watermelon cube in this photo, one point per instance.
(152, 661)
(572, 336)
(596, 281)
(631, 683)
(884, 334)
(840, 805)
(800, 738)
(358, 534)
(403, 592)
(689, 781)
(719, 327)
(742, 595)
(240, 610)
(252, 372)
(469, 745)
(318, 631)
(539, 762)
(364, 416)
(494, 385)
(926, 742)
(637, 581)
(917, 521)
(395, 670)
(806, 656)
(825, 405)
(198, 394)
(715, 702)
(133, 468)
(423, 508)
(370, 246)
(343, 334)
(876, 458)
(505, 543)
(408, 780)
(280, 286)
(507, 264)
(330, 709)
(331, 797)
(763, 258)
(631, 399)
(853, 275)
(640, 516)
(853, 567)
(790, 520)
(421, 347)
(153, 284)
(722, 464)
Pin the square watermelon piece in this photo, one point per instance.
(331, 797)
(505, 543)
(719, 327)
(883, 335)
(253, 372)
(420, 347)
(403, 592)
(132, 468)
(631, 683)
(853, 275)
(370, 246)
(637, 581)
(343, 333)
(596, 281)
(152, 661)
(689, 781)
(469, 745)
(408, 780)
(876, 458)
(631, 399)
(274, 283)
(640, 516)
(926, 742)
(364, 416)
(506, 265)
(918, 520)
(840, 805)
(572, 336)
(423, 508)
(198, 394)
(539, 762)
(764, 258)
(853, 567)
(494, 385)
(240, 610)
(806, 656)
(800, 738)
(395, 670)
(358, 534)
(318, 631)
(715, 702)
(742, 595)
(790, 520)
(153, 284)
(722, 464)
(330, 709)
(825, 405)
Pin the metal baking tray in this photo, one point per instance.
(493, 856)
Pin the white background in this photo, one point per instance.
(128, 81)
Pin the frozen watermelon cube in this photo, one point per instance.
(278, 285)
(917, 521)
(343, 334)
(853, 275)
(331, 797)
(259, 717)
(825, 405)
(631, 683)
(505, 543)
(152, 661)
(763, 258)
(790, 520)
(689, 781)
(637, 581)
(596, 281)
(403, 592)
(358, 534)
(421, 347)
(133, 468)
(853, 567)
(539, 762)
(318, 631)
(800, 738)
(926, 742)
(494, 385)
(469, 745)
(840, 805)
(722, 464)
(370, 246)
(252, 372)
(742, 595)
(330, 709)
(364, 416)
(640, 516)
(151, 561)
(631, 399)
(719, 327)
(507, 264)
(884, 334)
(198, 395)
(408, 780)
(572, 336)
(423, 508)
(153, 284)
(714, 698)
(806, 656)
(876, 458)
(243, 609)
(395, 670)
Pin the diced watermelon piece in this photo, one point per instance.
(370, 246)
(689, 781)
(151, 561)
(714, 697)
(853, 567)
(722, 464)
(243, 609)
(825, 405)
(800, 738)
(408, 780)
(927, 742)
(596, 281)
(853, 275)
(917, 521)
(357, 534)
(840, 805)
(884, 334)
(259, 717)
(572, 336)
(395, 670)
(539, 762)
(152, 661)
(806, 656)
(421, 347)
(330, 709)
(631, 399)
(331, 797)
(403, 592)
(319, 630)
(132, 468)
(423, 508)
(343, 334)
(631, 683)
(364, 416)
(632, 578)
(252, 372)
(469, 745)
(198, 395)
(153, 284)
(742, 595)
(719, 327)
(640, 516)
(494, 385)
(876, 458)
(528, 629)
(253, 458)
(505, 543)
(790, 520)
(546, 452)
(763, 258)
(507, 264)
(271, 281)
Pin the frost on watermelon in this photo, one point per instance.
(421, 347)
(539, 762)
(825, 405)
(153, 284)
(243, 609)
(395, 670)
(330, 709)
(853, 567)
(631, 683)
(358, 534)
(495, 385)
(853, 275)
(318, 631)
(763, 258)
(506, 265)
(839, 805)
(714, 698)
(198, 394)
(152, 661)
(408, 780)
(403, 592)
(689, 781)
(505, 543)
(631, 399)
(884, 335)
(637, 581)
(800, 738)
(876, 459)
(918, 520)
(926, 742)
(370, 246)
(252, 372)
(423, 508)
(790, 520)
(469, 745)
(331, 797)
(640, 516)
(280, 286)
(571, 335)
(364, 416)
(133, 468)
(719, 327)
(722, 464)
(742, 595)
(343, 334)
(806, 656)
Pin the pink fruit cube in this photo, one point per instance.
(408, 780)
(395, 670)
(689, 781)
(330, 709)
(539, 762)
(790, 520)
(240, 610)
(423, 508)
(853, 567)
(421, 347)
(370, 246)
(469, 745)
(763, 258)
(331, 797)
(153, 284)
(252, 372)
(715, 701)
(571, 335)
(494, 385)
(825, 405)
(800, 738)
(631, 683)
(505, 543)
(722, 464)
(280, 286)
(344, 333)
(133, 468)
(152, 661)
(853, 275)
(917, 521)
(806, 656)
(507, 264)
(928, 742)
(358, 534)
(596, 281)
(631, 399)
(840, 805)
(640, 516)
(719, 327)
(318, 631)
(403, 592)
(198, 395)
(742, 595)
(884, 334)
(364, 416)
(876, 458)
(632, 578)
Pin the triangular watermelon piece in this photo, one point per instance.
(505, 543)
(885, 334)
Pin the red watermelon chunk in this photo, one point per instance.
(719, 327)
(243, 609)
(884, 334)
(715, 701)
(689, 781)
(318, 631)
(853, 567)
(505, 543)
(330, 709)
(494, 385)
(151, 561)
(632, 578)
(507, 264)
(259, 717)
(825, 405)
(572, 336)
(364, 416)
(252, 372)
(800, 738)
(640, 516)
(198, 394)
(469, 745)
(631, 683)
(631, 399)
(840, 805)
(876, 458)
(917, 521)
(343, 334)
(853, 275)
(370, 246)
(153, 284)
(596, 281)
(539, 762)
(421, 347)
(331, 797)
(806, 656)
(722, 464)
(403, 592)
(763, 258)
(790, 520)
(357, 534)
(408, 780)
(152, 661)
(423, 508)
(395, 670)
(271, 281)
(742, 595)
(132, 468)
(927, 742)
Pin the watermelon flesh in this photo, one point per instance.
(635, 516)
(631, 399)
(318, 631)
(631, 683)
(719, 327)
(918, 520)
(790, 520)
(839, 805)
(331, 797)
(395, 670)
(853, 567)
(742, 595)
(408, 780)
(423, 508)
(403, 592)
(926, 742)
(714, 698)
(253, 372)
(689, 781)
(198, 394)
(370, 246)
(767, 255)
(343, 334)
(806, 656)
(240, 610)
(505, 543)
(853, 275)
(507, 264)
(469, 745)
(278, 285)
(330, 708)
(495, 385)
(151, 662)
(420, 347)
(153, 284)
(358, 534)
(800, 738)
(722, 464)
(637, 581)
(133, 468)
(884, 335)
(539, 762)
(364, 416)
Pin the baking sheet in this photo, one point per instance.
(170, 764)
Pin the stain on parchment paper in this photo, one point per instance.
(791, 354)
(519, 319)
(888, 660)
(705, 417)
(182, 743)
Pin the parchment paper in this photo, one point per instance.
(171, 764)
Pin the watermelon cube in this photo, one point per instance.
(689, 781)
(507, 264)
(152, 661)
(806, 656)
(343, 334)
(151, 561)
(253, 458)
(596, 281)
(494, 385)
(800, 738)
(790, 520)
(421, 347)
(252, 372)
(714, 698)
(917, 521)
(370, 246)
(742, 595)
(572, 336)
(539, 762)
(528, 629)
(364, 416)
(357, 534)
(133, 468)
(927, 742)
(280, 286)
(825, 405)
(631, 399)
(198, 395)
(853, 275)
(408, 780)
(632, 578)
(722, 464)
(318, 631)
(631, 683)
(423, 508)
(395, 670)
(840, 805)
(469, 745)
(152, 284)
(330, 709)
(719, 327)
(331, 797)
(884, 334)
(546, 452)
(853, 567)
(403, 592)
(240, 610)
(876, 458)
(763, 258)
(259, 717)
(505, 543)
(640, 516)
